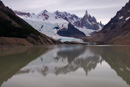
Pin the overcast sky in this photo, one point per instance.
(103, 10)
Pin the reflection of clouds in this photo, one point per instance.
(64, 59)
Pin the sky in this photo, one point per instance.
(102, 10)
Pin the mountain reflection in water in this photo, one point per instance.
(66, 59)
(63, 60)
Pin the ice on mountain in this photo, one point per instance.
(121, 17)
(127, 18)
(89, 22)
(56, 21)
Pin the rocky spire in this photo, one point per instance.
(86, 14)
(84, 18)
(45, 11)
(100, 22)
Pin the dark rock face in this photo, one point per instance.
(72, 18)
(22, 13)
(71, 32)
(120, 19)
(11, 26)
(44, 13)
(117, 31)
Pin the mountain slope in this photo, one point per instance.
(88, 21)
(117, 31)
(13, 26)
(53, 23)
(71, 32)
(15, 31)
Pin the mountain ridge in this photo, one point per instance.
(14, 31)
(72, 18)
(117, 31)
(56, 24)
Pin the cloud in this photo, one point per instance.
(101, 9)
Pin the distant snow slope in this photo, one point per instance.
(49, 23)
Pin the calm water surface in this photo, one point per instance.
(65, 66)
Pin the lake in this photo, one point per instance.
(65, 66)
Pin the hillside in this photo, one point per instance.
(15, 31)
(71, 32)
(117, 31)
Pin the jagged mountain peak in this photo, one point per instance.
(86, 13)
(43, 12)
(64, 14)
(58, 23)
(88, 21)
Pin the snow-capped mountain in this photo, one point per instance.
(16, 32)
(90, 22)
(53, 23)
